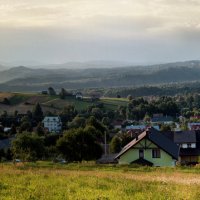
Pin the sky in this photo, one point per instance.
(136, 31)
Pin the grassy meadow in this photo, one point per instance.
(89, 181)
(22, 102)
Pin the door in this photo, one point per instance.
(141, 153)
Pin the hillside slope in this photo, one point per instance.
(26, 79)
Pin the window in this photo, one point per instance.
(155, 153)
(189, 145)
(141, 153)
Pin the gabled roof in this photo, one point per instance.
(185, 137)
(52, 119)
(158, 139)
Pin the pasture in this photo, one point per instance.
(22, 102)
(48, 181)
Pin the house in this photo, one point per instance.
(189, 146)
(194, 126)
(160, 119)
(44, 92)
(94, 96)
(79, 95)
(6, 143)
(117, 124)
(140, 127)
(53, 124)
(135, 127)
(150, 148)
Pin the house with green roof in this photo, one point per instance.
(150, 148)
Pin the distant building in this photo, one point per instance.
(139, 127)
(160, 119)
(53, 124)
(79, 95)
(95, 96)
(117, 124)
(194, 126)
(44, 92)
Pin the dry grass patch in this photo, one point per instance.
(54, 183)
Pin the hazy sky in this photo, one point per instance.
(139, 31)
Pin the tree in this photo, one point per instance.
(27, 147)
(106, 121)
(63, 93)
(13, 130)
(37, 112)
(25, 125)
(68, 113)
(165, 127)
(4, 114)
(129, 97)
(78, 145)
(98, 125)
(115, 144)
(97, 113)
(6, 101)
(77, 122)
(51, 91)
(40, 129)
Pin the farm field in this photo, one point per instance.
(89, 181)
(22, 102)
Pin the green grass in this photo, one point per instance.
(17, 99)
(113, 103)
(44, 180)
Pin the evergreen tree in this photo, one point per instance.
(37, 112)
(52, 92)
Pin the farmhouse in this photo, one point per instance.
(53, 124)
(79, 95)
(150, 148)
(189, 146)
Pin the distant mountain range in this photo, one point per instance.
(28, 79)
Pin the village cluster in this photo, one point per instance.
(159, 140)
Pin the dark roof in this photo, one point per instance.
(5, 143)
(168, 134)
(158, 139)
(162, 119)
(198, 135)
(185, 137)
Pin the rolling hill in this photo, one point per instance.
(27, 79)
(22, 102)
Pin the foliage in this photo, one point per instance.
(77, 122)
(51, 91)
(37, 112)
(27, 147)
(40, 129)
(95, 123)
(79, 144)
(25, 125)
(115, 144)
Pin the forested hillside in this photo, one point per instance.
(26, 79)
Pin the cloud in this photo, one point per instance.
(99, 29)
